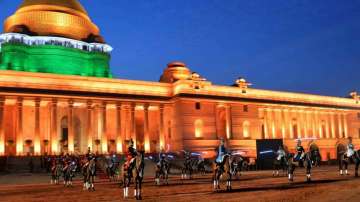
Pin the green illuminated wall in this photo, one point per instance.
(53, 59)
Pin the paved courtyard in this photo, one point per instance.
(252, 186)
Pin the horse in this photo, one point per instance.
(219, 170)
(292, 165)
(345, 161)
(200, 166)
(280, 164)
(89, 173)
(187, 168)
(238, 164)
(162, 172)
(69, 173)
(316, 157)
(134, 171)
(56, 173)
(111, 170)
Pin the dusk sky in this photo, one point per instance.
(310, 46)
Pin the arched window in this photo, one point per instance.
(246, 129)
(198, 128)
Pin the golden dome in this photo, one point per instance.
(175, 71)
(63, 18)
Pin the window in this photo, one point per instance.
(245, 108)
(246, 129)
(198, 128)
(197, 106)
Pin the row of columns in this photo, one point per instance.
(89, 130)
(280, 123)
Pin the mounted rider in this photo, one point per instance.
(221, 152)
(130, 156)
(280, 154)
(300, 152)
(350, 149)
(162, 159)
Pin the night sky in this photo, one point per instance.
(310, 46)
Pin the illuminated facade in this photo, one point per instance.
(44, 111)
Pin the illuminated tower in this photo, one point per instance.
(53, 36)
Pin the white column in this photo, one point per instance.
(146, 128)
(161, 129)
(119, 135)
(133, 124)
(71, 127)
(333, 133)
(19, 135)
(54, 134)
(37, 141)
(104, 140)
(345, 126)
(290, 123)
(89, 133)
(228, 122)
(327, 121)
(340, 125)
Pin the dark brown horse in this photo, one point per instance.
(222, 170)
(134, 171)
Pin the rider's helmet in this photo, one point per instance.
(222, 141)
(298, 142)
(131, 143)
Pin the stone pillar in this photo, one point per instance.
(290, 123)
(89, 133)
(146, 128)
(340, 125)
(266, 133)
(133, 124)
(2, 135)
(319, 124)
(53, 125)
(19, 135)
(313, 124)
(306, 124)
(328, 125)
(345, 126)
(228, 122)
(37, 141)
(283, 123)
(273, 125)
(299, 124)
(161, 129)
(70, 126)
(119, 137)
(332, 123)
(103, 135)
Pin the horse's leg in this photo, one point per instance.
(357, 162)
(308, 171)
(346, 167)
(291, 172)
